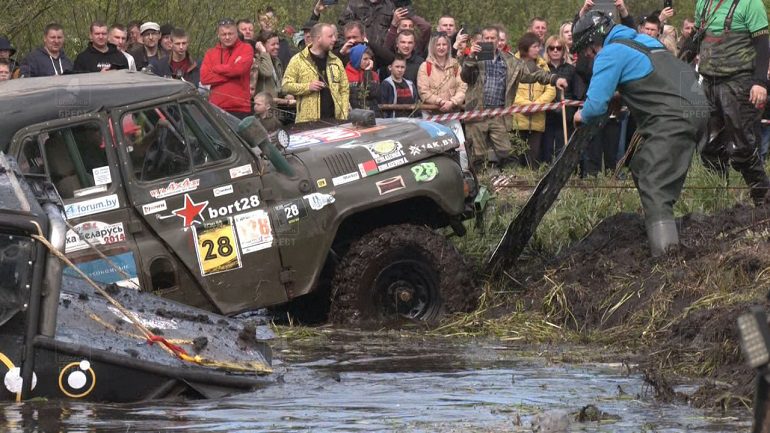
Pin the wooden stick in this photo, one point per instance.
(564, 117)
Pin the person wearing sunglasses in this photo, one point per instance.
(227, 69)
(553, 137)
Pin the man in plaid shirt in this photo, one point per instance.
(492, 84)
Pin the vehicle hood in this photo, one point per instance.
(413, 139)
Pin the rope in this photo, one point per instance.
(149, 336)
(497, 112)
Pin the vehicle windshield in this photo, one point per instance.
(172, 140)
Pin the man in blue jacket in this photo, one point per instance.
(667, 102)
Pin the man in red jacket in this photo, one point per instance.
(226, 68)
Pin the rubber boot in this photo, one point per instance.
(662, 235)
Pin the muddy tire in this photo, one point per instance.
(401, 272)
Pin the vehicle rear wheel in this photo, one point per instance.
(401, 272)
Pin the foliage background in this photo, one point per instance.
(23, 20)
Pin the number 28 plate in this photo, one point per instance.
(217, 247)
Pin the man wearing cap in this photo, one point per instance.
(49, 59)
(226, 68)
(149, 48)
(6, 52)
(100, 55)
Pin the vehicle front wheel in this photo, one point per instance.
(401, 271)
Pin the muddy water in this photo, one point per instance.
(395, 382)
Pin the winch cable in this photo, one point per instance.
(148, 335)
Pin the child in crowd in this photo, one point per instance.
(5, 70)
(364, 82)
(263, 110)
(396, 89)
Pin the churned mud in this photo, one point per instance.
(679, 311)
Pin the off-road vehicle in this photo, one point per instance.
(163, 183)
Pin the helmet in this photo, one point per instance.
(589, 29)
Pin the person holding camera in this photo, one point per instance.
(734, 57)
(664, 98)
(404, 19)
(355, 34)
(493, 79)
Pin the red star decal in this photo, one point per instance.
(190, 210)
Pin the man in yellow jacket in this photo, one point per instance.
(316, 78)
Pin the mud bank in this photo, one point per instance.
(678, 311)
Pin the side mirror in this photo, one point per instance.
(251, 130)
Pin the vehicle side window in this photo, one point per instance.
(74, 157)
(206, 143)
(31, 158)
(156, 142)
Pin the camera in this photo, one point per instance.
(487, 51)
(668, 4)
(329, 2)
(405, 4)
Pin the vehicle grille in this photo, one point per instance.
(340, 164)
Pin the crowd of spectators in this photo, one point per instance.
(375, 53)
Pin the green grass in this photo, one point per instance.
(584, 203)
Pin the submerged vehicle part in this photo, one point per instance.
(167, 189)
(61, 338)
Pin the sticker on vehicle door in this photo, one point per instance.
(217, 246)
(103, 272)
(254, 231)
(174, 188)
(223, 190)
(291, 212)
(102, 175)
(243, 170)
(95, 233)
(93, 206)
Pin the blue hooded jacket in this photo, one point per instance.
(356, 55)
(615, 65)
